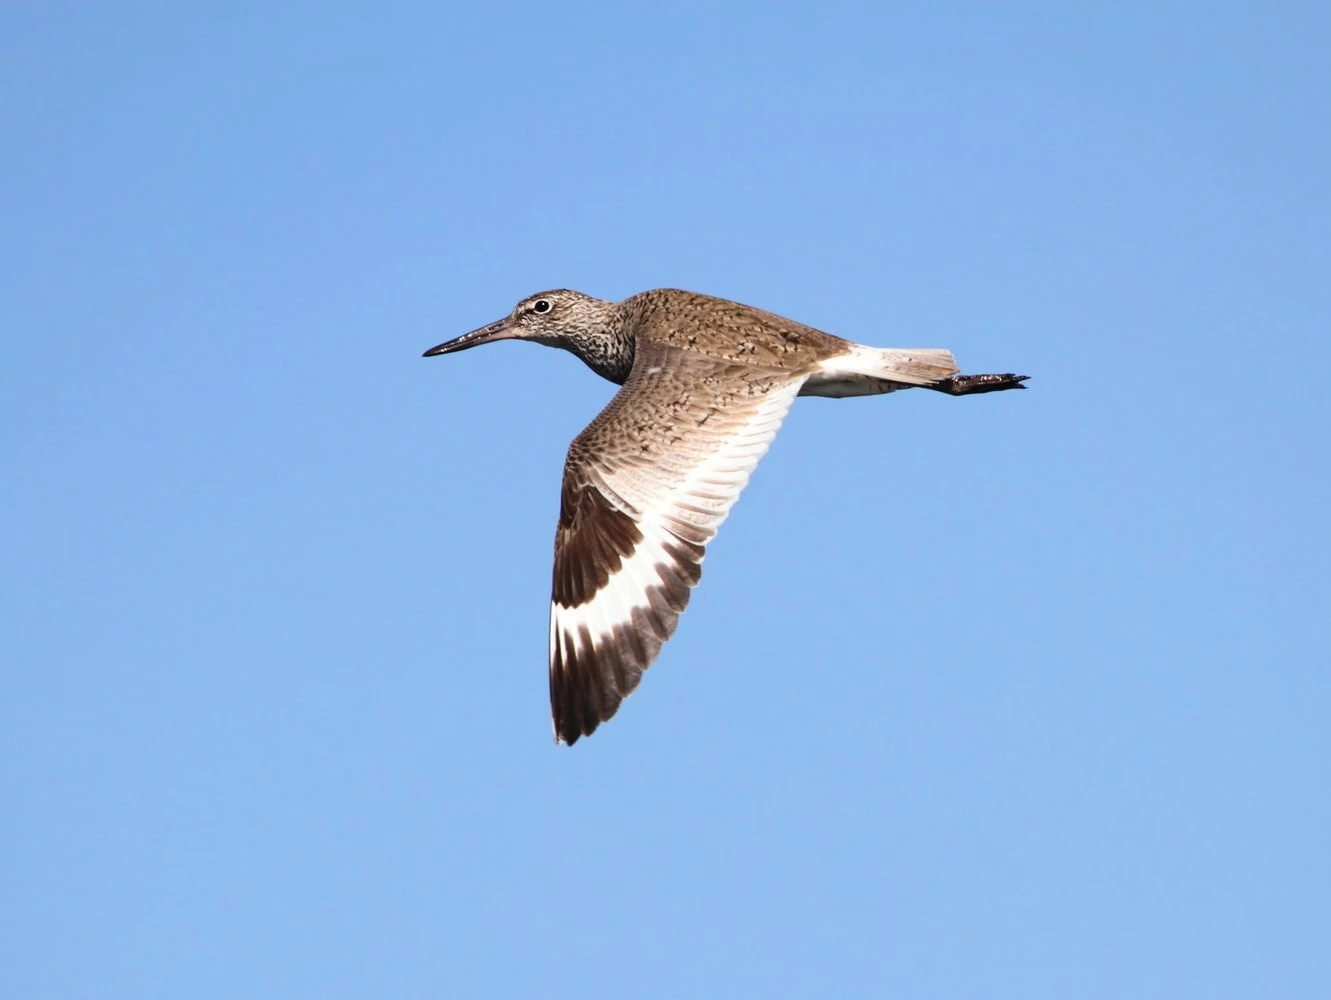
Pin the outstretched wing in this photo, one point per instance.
(645, 487)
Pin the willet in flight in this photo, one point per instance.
(706, 384)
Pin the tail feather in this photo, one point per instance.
(868, 371)
(907, 365)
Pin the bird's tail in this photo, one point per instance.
(862, 370)
(908, 365)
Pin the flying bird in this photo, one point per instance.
(705, 384)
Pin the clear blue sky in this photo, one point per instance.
(1024, 695)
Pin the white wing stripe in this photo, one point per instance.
(626, 589)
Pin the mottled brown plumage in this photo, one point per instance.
(706, 384)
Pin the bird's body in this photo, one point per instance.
(706, 384)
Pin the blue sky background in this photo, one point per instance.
(1023, 695)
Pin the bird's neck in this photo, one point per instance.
(609, 352)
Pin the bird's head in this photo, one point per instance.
(558, 318)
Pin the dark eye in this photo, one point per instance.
(541, 306)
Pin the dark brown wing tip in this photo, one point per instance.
(578, 706)
(971, 385)
(587, 688)
(569, 734)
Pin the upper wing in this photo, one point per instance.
(645, 487)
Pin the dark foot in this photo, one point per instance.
(967, 385)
